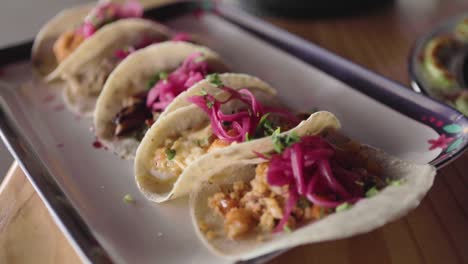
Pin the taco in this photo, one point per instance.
(87, 68)
(140, 88)
(227, 110)
(69, 29)
(290, 190)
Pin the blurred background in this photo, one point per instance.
(19, 21)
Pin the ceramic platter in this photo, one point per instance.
(83, 185)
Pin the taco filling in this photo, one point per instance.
(250, 120)
(140, 110)
(104, 13)
(304, 181)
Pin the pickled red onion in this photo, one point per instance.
(308, 167)
(192, 70)
(243, 124)
(106, 12)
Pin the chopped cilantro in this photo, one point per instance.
(265, 125)
(128, 199)
(372, 192)
(214, 80)
(203, 92)
(152, 82)
(209, 104)
(397, 182)
(247, 137)
(342, 207)
(292, 138)
(156, 78)
(277, 145)
(203, 142)
(170, 153)
(163, 75)
(286, 229)
(282, 142)
(263, 119)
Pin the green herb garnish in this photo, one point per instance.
(342, 207)
(128, 199)
(372, 192)
(292, 138)
(247, 137)
(394, 182)
(265, 125)
(156, 78)
(203, 142)
(170, 153)
(214, 79)
(398, 182)
(163, 75)
(287, 229)
(152, 81)
(209, 104)
(276, 138)
(282, 142)
(203, 92)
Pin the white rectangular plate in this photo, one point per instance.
(95, 180)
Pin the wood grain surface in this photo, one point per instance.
(435, 232)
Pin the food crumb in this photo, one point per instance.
(260, 238)
(128, 199)
(160, 234)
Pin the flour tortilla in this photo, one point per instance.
(87, 68)
(366, 215)
(42, 55)
(131, 77)
(182, 119)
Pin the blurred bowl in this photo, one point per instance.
(438, 63)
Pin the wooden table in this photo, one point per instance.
(436, 232)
